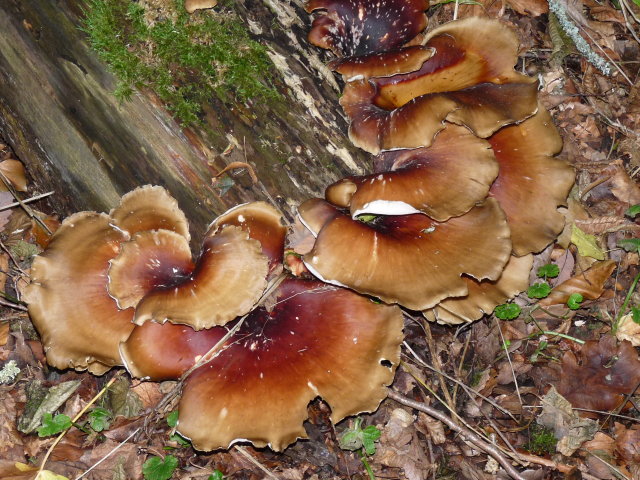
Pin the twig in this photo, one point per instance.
(28, 200)
(255, 462)
(17, 306)
(561, 467)
(436, 362)
(464, 432)
(27, 210)
(74, 420)
(113, 450)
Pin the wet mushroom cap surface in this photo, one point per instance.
(443, 181)
(484, 296)
(531, 184)
(365, 26)
(411, 259)
(228, 278)
(79, 323)
(316, 341)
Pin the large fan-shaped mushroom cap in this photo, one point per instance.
(228, 278)
(484, 296)
(531, 184)
(467, 52)
(443, 181)
(317, 341)
(80, 324)
(357, 27)
(411, 259)
(483, 108)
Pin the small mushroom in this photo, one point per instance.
(410, 259)
(484, 296)
(358, 27)
(192, 5)
(317, 341)
(80, 324)
(531, 184)
(443, 181)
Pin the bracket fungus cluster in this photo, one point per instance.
(141, 300)
(464, 187)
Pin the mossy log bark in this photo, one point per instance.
(58, 112)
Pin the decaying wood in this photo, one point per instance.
(58, 113)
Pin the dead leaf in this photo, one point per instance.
(587, 244)
(13, 171)
(628, 442)
(590, 284)
(570, 430)
(42, 400)
(622, 186)
(628, 330)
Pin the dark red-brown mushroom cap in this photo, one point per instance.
(384, 64)
(411, 259)
(531, 184)
(483, 108)
(317, 341)
(483, 297)
(80, 324)
(443, 181)
(358, 27)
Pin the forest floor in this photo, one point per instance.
(497, 377)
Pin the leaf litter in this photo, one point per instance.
(572, 369)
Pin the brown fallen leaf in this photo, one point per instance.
(590, 284)
(14, 173)
(601, 375)
(622, 186)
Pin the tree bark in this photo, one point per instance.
(58, 113)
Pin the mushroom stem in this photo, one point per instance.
(464, 432)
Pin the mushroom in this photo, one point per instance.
(366, 26)
(80, 324)
(317, 341)
(192, 5)
(531, 184)
(443, 181)
(484, 296)
(408, 259)
(482, 108)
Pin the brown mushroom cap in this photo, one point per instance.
(531, 184)
(384, 64)
(151, 259)
(229, 277)
(315, 213)
(411, 259)
(483, 108)
(484, 296)
(468, 52)
(443, 181)
(80, 324)
(164, 351)
(317, 341)
(192, 5)
(150, 208)
(358, 27)
(262, 222)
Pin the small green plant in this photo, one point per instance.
(539, 290)
(186, 59)
(217, 475)
(99, 419)
(541, 440)
(507, 311)
(633, 211)
(156, 468)
(542, 345)
(362, 441)
(52, 425)
(574, 302)
(550, 270)
(172, 421)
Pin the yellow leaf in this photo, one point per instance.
(587, 244)
(23, 467)
(48, 475)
